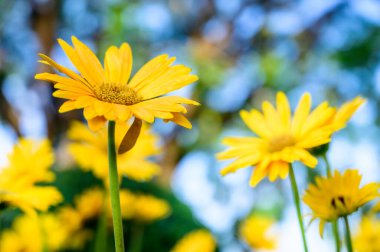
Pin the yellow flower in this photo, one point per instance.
(29, 164)
(338, 196)
(196, 241)
(368, 237)
(281, 139)
(149, 208)
(29, 234)
(87, 206)
(73, 224)
(127, 200)
(108, 94)
(254, 231)
(90, 203)
(142, 207)
(89, 150)
(71, 217)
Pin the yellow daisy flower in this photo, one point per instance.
(143, 207)
(87, 206)
(149, 208)
(133, 164)
(281, 139)
(367, 238)
(196, 241)
(338, 196)
(90, 203)
(29, 234)
(29, 164)
(108, 93)
(254, 231)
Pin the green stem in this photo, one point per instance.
(114, 190)
(298, 205)
(334, 223)
(137, 238)
(327, 163)
(101, 233)
(348, 234)
(336, 235)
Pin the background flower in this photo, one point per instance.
(367, 237)
(281, 138)
(255, 231)
(89, 149)
(196, 241)
(338, 196)
(29, 166)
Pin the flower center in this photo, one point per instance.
(279, 143)
(120, 94)
(339, 204)
(338, 200)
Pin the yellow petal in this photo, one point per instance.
(241, 162)
(96, 123)
(89, 58)
(181, 120)
(81, 65)
(151, 69)
(112, 65)
(142, 113)
(301, 113)
(283, 109)
(67, 106)
(126, 59)
(60, 68)
(66, 81)
(259, 173)
(321, 228)
(256, 122)
(346, 111)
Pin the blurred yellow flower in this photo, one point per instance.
(367, 238)
(149, 208)
(142, 207)
(71, 218)
(254, 231)
(338, 196)
(196, 241)
(87, 206)
(90, 203)
(73, 224)
(29, 234)
(282, 139)
(89, 149)
(108, 94)
(29, 164)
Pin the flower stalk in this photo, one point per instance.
(114, 189)
(335, 228)
(327, 163)
(137, 238)
(298, 206)
(100, 244)
(348, 234)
